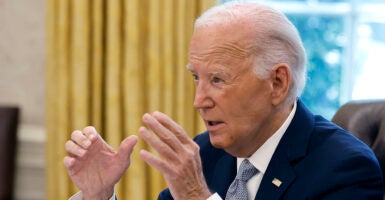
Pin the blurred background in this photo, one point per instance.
(66, 64)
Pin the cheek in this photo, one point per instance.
(256, 102)
(249, 108)
(243, 127)
(249, 114)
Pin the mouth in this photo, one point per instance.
(214, 125)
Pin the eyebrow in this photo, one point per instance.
(189, 68)
(220, 73)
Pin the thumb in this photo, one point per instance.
(126, 147)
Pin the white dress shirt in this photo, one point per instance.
(260, 159)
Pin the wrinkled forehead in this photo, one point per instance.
(231, 41)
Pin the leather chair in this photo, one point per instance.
(9, 117)
(366, 120)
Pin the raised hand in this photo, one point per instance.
(93, 165)
(179, 160)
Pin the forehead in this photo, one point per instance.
(232, 37)
(228, 42)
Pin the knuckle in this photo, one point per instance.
(188, 159)
(74, 134)
(179, 129)
(68, 145)
(81, 153)
(67, 162)
(167, 139)
(191, 154)
(88, 130)
(195, 148)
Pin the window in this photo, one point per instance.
(345, 44)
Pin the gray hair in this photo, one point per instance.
(276, 41)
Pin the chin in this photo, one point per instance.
(217, 142)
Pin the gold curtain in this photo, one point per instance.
(109, 62)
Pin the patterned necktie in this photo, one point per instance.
(238, 189)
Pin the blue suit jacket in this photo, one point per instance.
(315, 159)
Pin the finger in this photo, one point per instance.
(155, 162)
(173, 127)
(68, 162)
(127, 146)
(74, 149)
(79, 138)
(91, 133)
(95, 138)
(164, 134)
(72, 165)
(163, 149)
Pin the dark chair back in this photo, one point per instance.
(366, 120)
(9, 117)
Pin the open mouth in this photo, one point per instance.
(213, 123)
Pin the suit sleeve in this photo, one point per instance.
(165, 195)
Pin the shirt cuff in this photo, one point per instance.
(79, 196)
(214, 197)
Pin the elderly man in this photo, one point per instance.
(261, 142)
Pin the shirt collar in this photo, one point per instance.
(261, 158)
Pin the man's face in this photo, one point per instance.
(234, 103)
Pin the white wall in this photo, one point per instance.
(22, 65)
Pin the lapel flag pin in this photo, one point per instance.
(277, 182)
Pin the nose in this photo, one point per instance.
(202, 97)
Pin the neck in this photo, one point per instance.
(275, 122)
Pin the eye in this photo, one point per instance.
(195, 77)
(217, 80)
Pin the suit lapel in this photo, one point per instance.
(224, 173)
(276, 179)
(292, 147)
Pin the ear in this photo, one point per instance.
(281, 79)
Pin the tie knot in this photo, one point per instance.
(238, 188)
(246, 171)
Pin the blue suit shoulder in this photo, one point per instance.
(339, 165)
(316, 159)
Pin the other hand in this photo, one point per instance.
(179, 160)
(93, 165)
